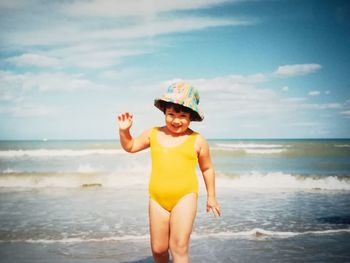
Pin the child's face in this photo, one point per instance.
(177, 122)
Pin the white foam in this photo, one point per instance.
(85, 168)
(258, 233)
(87, 175)
(72, 180)
(10, 171)
(280, 180)
(255, 234)
(251, 148)
(250, 145)
(58, 153)
(342, 145)
(78, 239)
(264, 151)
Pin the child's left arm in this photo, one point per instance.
(208, 173)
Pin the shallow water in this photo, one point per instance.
(111, 224)
(87, 202)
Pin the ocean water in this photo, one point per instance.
(87, 201)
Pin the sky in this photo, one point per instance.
(263, 69)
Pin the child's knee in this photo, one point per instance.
(179, 246)
(159, 248)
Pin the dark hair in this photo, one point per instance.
(163, 105)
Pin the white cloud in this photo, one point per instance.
(332, 106)
(71, 33)
(99, 58)
(25, 110)
(120, 73)
(237, 95)
(296, 70)
(14, 4)
(346, 113)
(95, 55)
(56, 81)
(250, 125)
(103, 46)
(241, 96)
(111, 8)
(294, 100)
(78, 56)
(231, 83)
(10, 87)
(34, 60)
(5, 95)
(345, 109)
(314, 93)
(44, 82)
(319, 132)
(107, 20)
(109, 30)
(285, 88)
(322, 106)
(30, 111)
(304, 124)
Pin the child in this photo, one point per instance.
(173, 186)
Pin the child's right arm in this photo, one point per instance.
(129, 143)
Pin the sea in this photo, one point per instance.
(87, 201)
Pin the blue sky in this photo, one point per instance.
(264, 69)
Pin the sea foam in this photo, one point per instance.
(258, 233)
(251, 148)
(253, 234)
(45, 153)
(284, 181)
(71, 180)
(275, 181)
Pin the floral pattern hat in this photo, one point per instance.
(183, 94)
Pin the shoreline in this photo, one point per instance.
(295, 249)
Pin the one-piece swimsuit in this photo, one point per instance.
(173, 170)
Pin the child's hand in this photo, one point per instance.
(214, 206)
(125, 120)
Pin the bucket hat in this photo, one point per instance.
(184, 94)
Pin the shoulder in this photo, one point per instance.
(199, 138)
(151, 132)
(147, 133)
(154, 130)
(201, 144)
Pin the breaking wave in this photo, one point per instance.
(45, 153)
(254, 234)
(86, 176)
(252, 148)
(71, 180)
(284, 181)
(258, 233)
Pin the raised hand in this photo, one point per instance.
(125, 120)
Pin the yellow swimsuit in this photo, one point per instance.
(173, 171)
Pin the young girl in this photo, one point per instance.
(173, 186)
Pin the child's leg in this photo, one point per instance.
(181, 222)
(159, 219)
